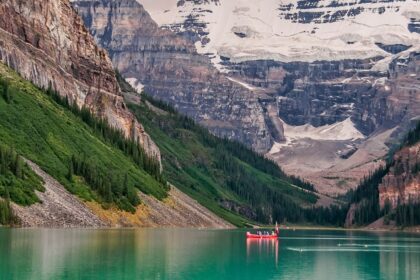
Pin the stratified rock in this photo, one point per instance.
(46, 42)
(402, 183)
(168, 67)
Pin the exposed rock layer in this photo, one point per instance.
(168, 67)
(47, 43)
(402, 184)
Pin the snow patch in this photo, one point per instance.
(265, 34)
(340, 131)
(245, 85)
(135, 84)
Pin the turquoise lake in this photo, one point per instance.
(205, 254)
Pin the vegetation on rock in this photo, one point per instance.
(49, 131)
(226, 176)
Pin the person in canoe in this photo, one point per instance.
(265, 234)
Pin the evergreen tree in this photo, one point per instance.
(18, 167)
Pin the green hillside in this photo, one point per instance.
(225, 175)
(95, 162)
(83, 153)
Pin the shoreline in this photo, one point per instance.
(415, 230)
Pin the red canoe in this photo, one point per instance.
(271, 236)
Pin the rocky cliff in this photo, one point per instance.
(47, 43)
(402, 183)
(330, 99)
(167, 66)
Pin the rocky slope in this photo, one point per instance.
(60, 209)
(47, 43)
(168, 67)
(333, 80)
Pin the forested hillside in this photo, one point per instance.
(225, 176)
(17, 183)
(97, 163)
(390, 191)
(86, 155)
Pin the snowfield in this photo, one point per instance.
(340, 131)
(260, 29)
(344, 130)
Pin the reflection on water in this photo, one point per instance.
(205, 254)
(260, 247)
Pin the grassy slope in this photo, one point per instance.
(46, 133)
(190, 165)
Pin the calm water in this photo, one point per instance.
(204, 254)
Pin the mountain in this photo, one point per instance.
(84, 178)
(335, 81)
(168, 67)
(47, 43)
(74, 154)
(391, 196)
(63, 114)
(226, 176)
(289, 30)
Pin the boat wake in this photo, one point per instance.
(356, 248)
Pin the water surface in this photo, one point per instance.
(205, 254)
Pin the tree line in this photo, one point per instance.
(367, 193)
(111, 187)
(113, 136)
(11, 167)
(6, 90)
(232, 147)
(268, 201)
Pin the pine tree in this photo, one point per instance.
(70, 171)
(18, 166)
(125, 186)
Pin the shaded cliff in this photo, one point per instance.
(47, 43)
(402, 183)
(391, 195)
(168, 67)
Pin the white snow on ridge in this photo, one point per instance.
(344, 130)
(135, 84)
(340, 131)
(266, 35)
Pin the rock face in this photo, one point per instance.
(342, 76)
(47, 43)
(323, 92)
(402, 184)
(329, 98)
(290, 30)
(167, 66)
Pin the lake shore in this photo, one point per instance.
(415, 229)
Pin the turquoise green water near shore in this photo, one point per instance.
(205, 254)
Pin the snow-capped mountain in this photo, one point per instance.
(321, 86)
(343, 73)
(287, 30)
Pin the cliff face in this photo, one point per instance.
(167, 66)
(402, 184)
(47, 43)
